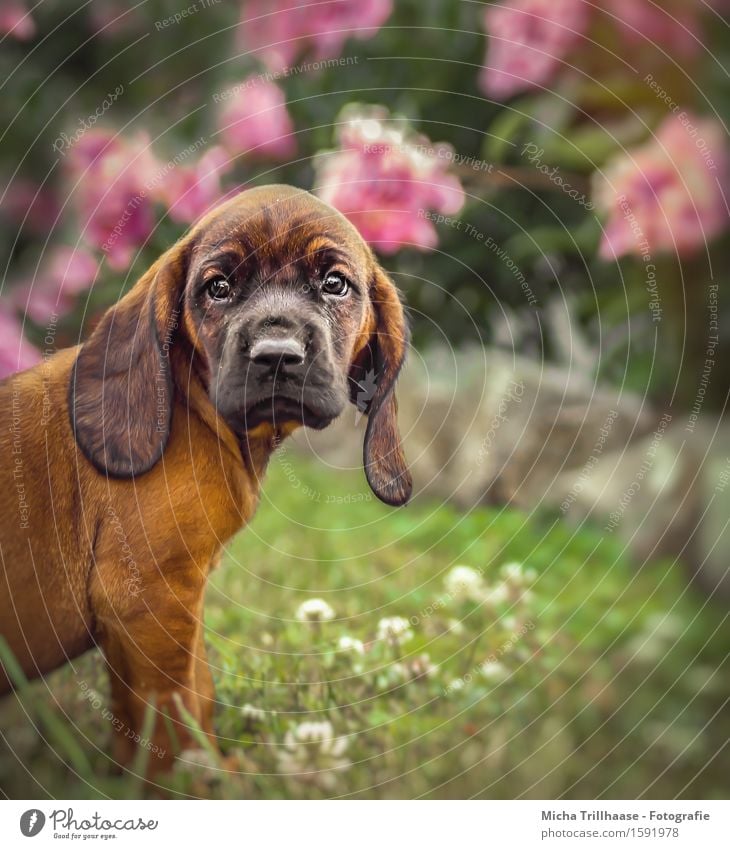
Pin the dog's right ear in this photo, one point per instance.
(377, 366)
(121, 389)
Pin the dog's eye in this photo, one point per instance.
(218, 288)
(335, 284)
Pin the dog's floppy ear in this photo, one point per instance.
(121, 389)
(372, 383)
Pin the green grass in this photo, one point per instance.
(612, 681)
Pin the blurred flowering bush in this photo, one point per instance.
(280, 32)
(529, 42)
(533, 41)
(64, 274)
(384, 179)
(254, 121)
(110, 193)
(482, 127)
(672, 187)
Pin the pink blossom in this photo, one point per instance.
(281, 30)
(668, 194)
(191, 191)
(529, 41)
(65, 274)
(30, 205)
(254, 120)
(675, 27)
(385, 180)
(91, 147)
(117, 183)
(16, 353)
(15, 20)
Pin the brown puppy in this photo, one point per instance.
(130, 461)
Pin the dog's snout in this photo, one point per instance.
(277, 351)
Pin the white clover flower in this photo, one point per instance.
(493, 671)
(397, 673)
(314, 610)
(464, 583)
(312, 753)
(395, 629)
(455, 626)
(421, 667)
(320, 734)
(351, 645)
(495, 595)
(405, 672)
(516, 574)
(513, 572)
(253, 716)
(526, 596)
(456, 685)
(509, 623)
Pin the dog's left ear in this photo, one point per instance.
(372, 383)
(121, 388)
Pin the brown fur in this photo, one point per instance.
(121, 482)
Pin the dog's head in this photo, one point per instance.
(282, 313)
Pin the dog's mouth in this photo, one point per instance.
(278, 410)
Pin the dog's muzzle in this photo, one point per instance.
(282, 371)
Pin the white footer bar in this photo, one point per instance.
(368, 825)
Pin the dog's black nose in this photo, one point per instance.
(278, 352)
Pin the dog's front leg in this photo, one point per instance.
(204, 688)
(153, 643)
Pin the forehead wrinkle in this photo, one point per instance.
(229, 243)
(278, 240)
(286, 231)
(228, 246)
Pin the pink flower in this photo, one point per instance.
(281, 30)
(15, 20)
(191, 191)
(91, 147)
(675, 28)
(385, 181)
(65, 274)
(117, 182)
(668, 194)
(254, 120)
(529, 41)
(16, 353)
(30, 205)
